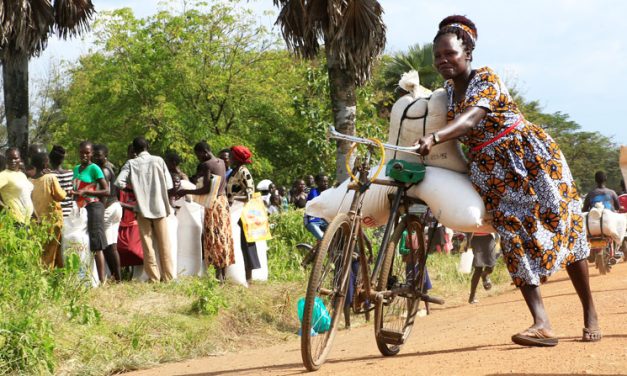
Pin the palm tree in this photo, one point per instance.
(416, 58)
(353, 34)
(25, 26)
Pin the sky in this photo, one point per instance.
(570, 55)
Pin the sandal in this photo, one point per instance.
(487, 284)
(591, 335)
(534, 337)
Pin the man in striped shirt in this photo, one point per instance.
(56, 157)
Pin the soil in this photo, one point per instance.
(467, 339)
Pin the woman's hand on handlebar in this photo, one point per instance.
(425, 144)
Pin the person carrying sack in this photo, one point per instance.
(211, 193)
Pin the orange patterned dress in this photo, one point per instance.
(524, 181)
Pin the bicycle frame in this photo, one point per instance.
(354, 213)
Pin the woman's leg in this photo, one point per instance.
(100, 265)
(485, 277)
(474, 281)
(578, 273)
(112, 257)
(533, 298)
(220, 274)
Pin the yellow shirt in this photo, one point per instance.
(47, 194)
(15, 190)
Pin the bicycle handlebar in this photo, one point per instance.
(341, 136)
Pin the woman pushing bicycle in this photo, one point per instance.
(522, 177)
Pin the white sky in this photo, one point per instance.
(570, 55)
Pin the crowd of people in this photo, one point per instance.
(127, 208)
(515, 166)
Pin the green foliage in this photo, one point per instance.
(207, 295)
(418, 58)
(585, 152)
(283, 258)
(30, 295)
(209, 72)
(176, 78)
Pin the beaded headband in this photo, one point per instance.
(468, 30)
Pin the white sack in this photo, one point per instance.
(261, 274)
(448, 154)
(450, 196)
(189, 255)
(76, 238)
(237, 272)
(453, 200)
(613, 223)
(112, 218)
(332, 201)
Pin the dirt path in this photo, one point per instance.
(460, 340)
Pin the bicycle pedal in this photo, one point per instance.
(391, 337)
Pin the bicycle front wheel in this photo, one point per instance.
(326, 293)
(402, 274)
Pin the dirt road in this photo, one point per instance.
(460, 341)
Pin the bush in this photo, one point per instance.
(30, 295)
(283, 258)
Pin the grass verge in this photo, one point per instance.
(52, 323)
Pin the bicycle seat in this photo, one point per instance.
(405, 172)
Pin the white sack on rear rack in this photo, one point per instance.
(449, 195)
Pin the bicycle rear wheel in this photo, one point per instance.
(402, 273)
(328, 285)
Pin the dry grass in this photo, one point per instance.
(142, 325)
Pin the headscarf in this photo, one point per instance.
(242, 154)
(471, 33)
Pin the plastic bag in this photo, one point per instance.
(465, 262)
(320, 316)
(255, 221)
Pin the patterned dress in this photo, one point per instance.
(217, 232)
(524, 181)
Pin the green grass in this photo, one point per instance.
(53, 323)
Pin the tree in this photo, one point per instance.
(585, 152)
(416, 58)
(353, 34)
(204, 73)
(25, 26)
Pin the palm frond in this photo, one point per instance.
(292, 20)
(360, 37)
(418, 58)
(317, 17)
(334, 13)
(25, 26)
(72, 17)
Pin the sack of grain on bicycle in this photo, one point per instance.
(346, 275)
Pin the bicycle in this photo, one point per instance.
(602, 253)
(394, 286)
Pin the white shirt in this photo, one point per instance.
(150, 180)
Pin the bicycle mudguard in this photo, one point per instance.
(405, 172)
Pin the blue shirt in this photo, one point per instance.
(313, 193)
